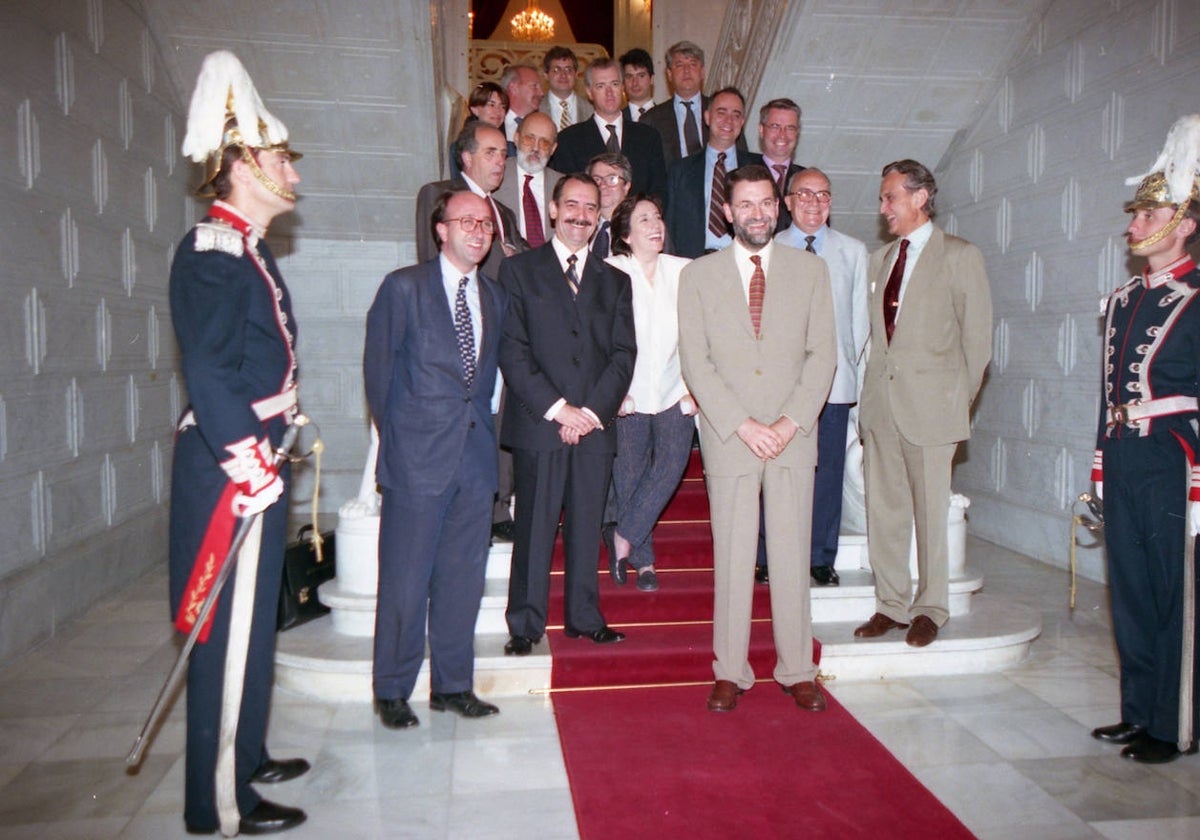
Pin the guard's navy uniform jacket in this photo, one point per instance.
(233, 324)
(1145, 455)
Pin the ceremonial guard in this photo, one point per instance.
(1145, 464)
(234, 328)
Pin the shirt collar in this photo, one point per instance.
(1176, 270)
(562, 252)
(450, 274)
(473, 187)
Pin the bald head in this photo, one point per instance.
(537, 138)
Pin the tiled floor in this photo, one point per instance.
(1008, 753)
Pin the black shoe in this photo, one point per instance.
(1146, 749)
(604, 636)
(268, 818)
(463, 703)
(761, 575)
(616, 568)
(518, 646)
(396, 714)
(824, 576)
(647, 580)
(1118, 733)
(271, 771)
(503, 531)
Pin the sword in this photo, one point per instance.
(172, 683)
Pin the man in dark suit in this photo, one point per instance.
(609, 131)
(567, 355)
(637, 74)
(429, 365)
(778, 135)
(481, 152)
(678, 120)
(696, 221)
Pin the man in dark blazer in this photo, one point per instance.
(567, 356)
(481, 151)
(695, 221)
(429, 366)
(580, 143)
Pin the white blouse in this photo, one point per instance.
(657, 381)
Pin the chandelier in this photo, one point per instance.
(532, 24)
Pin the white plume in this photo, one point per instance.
(1179, 160)
(222, 76)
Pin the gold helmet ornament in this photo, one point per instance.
(227, 111)
(1171, 181)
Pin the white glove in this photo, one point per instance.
(1194, 518)
(248, 504)
(1099, 485)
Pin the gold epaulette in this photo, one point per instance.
(218, 236)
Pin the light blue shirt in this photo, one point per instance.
(450, 278)
(681, 114)
(794, 237)
(713, 243)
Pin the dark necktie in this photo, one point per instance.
(891, 292)
(533, 217)
(499, 232)
(780, 178)
(716, 204)
(691, 133)
(758, 290)
(611, 144)
(808, 244)
(573, 276)
(466, 335)
(601, 243)
(641, 112)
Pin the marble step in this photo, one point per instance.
(316, 661)
(853, 600)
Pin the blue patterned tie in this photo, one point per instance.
(466, 335)
(573, 276)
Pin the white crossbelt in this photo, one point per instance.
(1119, 415)
(282, 403)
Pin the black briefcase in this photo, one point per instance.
(302, 574)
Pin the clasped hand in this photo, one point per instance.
(767, 442)
(574, 424)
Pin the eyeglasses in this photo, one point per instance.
(469, 223)
(750, 206)
(608, 180)
(820, 196)
(787, 129)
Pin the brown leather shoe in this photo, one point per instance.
(807, 695)
(724, 696)
(922, 632)
(877, 625)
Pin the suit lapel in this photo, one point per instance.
(732, 295)
(921, 277)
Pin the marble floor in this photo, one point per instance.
(1008, 753)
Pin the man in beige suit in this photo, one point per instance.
(931, 340)
(757, 349)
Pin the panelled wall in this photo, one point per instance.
(92, 202)
(1038, 183)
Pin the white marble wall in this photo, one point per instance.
(92, 202)
(1037, 181)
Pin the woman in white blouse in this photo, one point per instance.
(655, 423)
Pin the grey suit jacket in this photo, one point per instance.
(846, 258)
(510, 195)
(583, 108)
(734, 375)
(427, 245)
(929, 374)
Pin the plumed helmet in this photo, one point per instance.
(1172, 180)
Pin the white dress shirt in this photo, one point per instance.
(917, 240)
(450, 278)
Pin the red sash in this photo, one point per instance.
(209, 560)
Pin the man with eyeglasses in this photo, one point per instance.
(528, 180)
(696, 185)
(609, 131)
(809, 198)
(756, 345)
(561, 104)
(567, 355)
(429, 366)
(481, 152)
(612, 174)
(778, 136)
(931, 341)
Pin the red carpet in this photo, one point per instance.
(669, 632)
(655, 763)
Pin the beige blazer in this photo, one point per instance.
(733, 375)
(927, 378)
